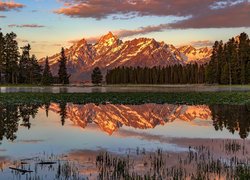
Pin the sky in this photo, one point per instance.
(49, 25)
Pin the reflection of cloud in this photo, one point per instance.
(2, 150)
(31, 141)
(142, 136)
(26, 26)
(7, 6)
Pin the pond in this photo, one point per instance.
(101, 141)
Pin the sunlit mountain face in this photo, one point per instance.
(110, 52)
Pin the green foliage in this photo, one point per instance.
(15, 68)
(2, 43)
(230, 62)
(62, 72)
(96, 76)
(29, 69)
(233, 98)
(177, 74)
(47, 77)
(10, 58)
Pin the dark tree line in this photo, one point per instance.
(177, 74)
(232, 117)
(23, 68)
(13, 116)
(230, 62)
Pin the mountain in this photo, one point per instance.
(110, 52)
(111, 117)
(200, 55)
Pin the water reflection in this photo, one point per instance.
(110, 118)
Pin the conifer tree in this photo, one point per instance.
(62, 73)
(248, 73)
(211, 69)
(35, 71)
(97, 77)
(11, 57)
(25, 65)
(244, 56)
(1, 55)
(47, 77)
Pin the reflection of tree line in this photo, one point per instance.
(11, 116)
(233, 118)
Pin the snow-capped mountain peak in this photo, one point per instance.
(110, 52)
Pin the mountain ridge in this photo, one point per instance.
(110, 52)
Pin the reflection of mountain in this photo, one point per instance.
(110, 117)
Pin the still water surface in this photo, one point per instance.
(69, 131)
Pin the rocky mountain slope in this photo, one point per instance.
(110, 52)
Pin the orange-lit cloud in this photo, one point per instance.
(7, 6)
(233, 16)
(26, 26)
(197, 14)
(101, 9)
(203, 43)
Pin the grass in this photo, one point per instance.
(129, 85)
(209, 98)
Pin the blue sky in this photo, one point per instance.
(49, 24)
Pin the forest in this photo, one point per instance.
(23, 68)
(229, 64)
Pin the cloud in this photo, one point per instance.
(26, 26)
(142, 30)
(102, 9)
(203, 43)
(7, 6)
(1, 16)
(196, 14)
(232, 16)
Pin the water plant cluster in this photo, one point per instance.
(201, 161)
(236, 98)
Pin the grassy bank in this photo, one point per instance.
(233, 98)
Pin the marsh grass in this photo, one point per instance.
(232, 98)
(199, 162)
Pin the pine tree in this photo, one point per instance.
(62, 73)
(11, 55)
(243, 55)
(225, 74)
(35, 73)
(24, 65)
(232, 58)
(47, 77)
(248, 73)
(212, 67)
(1, 55)
(96, 76)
